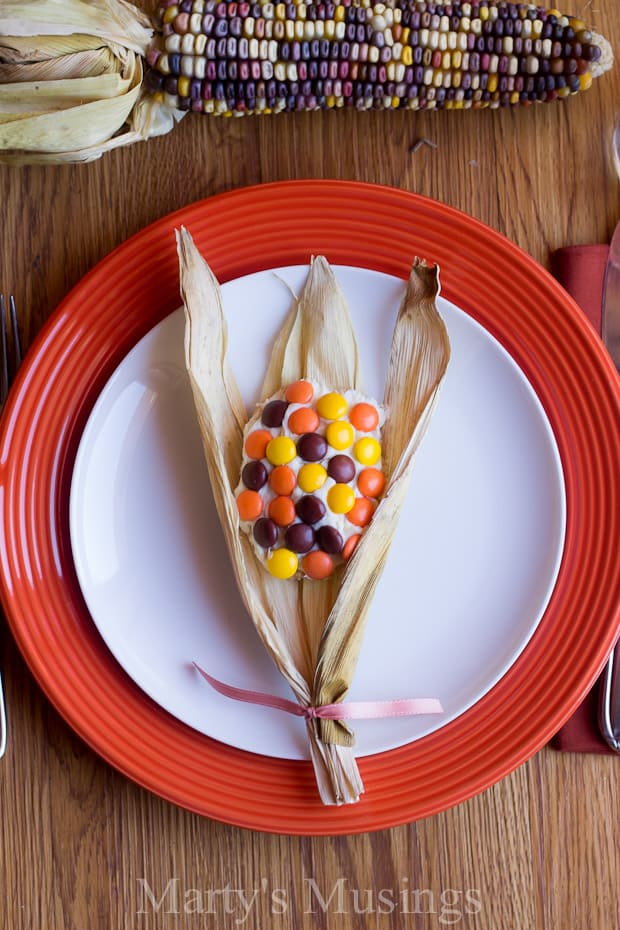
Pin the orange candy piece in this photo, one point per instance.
(299, 392)
(282, 511)
(371, 482)
(364, 417)
(361, 512)
(256, 443)
(318, 565)
(249, 505)
(349, 547)
(303, 420)
(282, 480)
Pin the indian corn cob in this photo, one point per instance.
(233, 58)
(85, 60)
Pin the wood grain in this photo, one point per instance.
(81, 846)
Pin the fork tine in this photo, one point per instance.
(17, 344)
(4, 355)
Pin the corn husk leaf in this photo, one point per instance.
(115, 21)
(83, 125)
(16, 49)
(313, 630)
(419, 357)
(89, 63)
(318, 321)
(63, 93)
(283, 612)
(71, 80)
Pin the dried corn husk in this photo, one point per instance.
(70, 80)
(313, 630)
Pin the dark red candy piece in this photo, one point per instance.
(312, 447)
(300, 537)
(341, 468)
(265, 532)
(310, 509)
(254, 475)
(329, 539)
(273, 413)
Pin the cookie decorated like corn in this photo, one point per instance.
(311, 478)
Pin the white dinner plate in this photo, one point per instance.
(470, 572)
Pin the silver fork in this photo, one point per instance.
(10, 360)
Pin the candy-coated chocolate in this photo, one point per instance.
(341, 468)
(332, 406)
(361, 512)
(281, 450)
(303, 420)
(311, 447)
(371, 482)
(310, 509)
(282, 480)
(254, 475)
(282, 563)
(340, 498)
(282, 511)
(311, 477)
(273, 413)
(364, 417)
(299, 392)
(265, 532)
(249, 505)
(256, 443)
(367, 450)
(318, 565)
(299, 537)
(329, 539)
(340, 435)
(350, 546)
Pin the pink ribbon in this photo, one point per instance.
(350, 710)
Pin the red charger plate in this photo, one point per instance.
(134, 288)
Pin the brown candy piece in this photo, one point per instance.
(254, 475)
(341, 468)
(273, 413)
(265, 532)
(329, 539)
(300, 537)
(312, 447)
(310, 509)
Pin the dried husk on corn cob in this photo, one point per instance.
(313, 630)
(71, 80)
(239, 58)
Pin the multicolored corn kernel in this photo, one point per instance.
(233, 58)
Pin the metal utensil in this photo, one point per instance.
(10, 360)
(609, 705)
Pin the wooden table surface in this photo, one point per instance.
(80, 844)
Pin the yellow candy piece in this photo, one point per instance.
(367, 451)
(311, 477)
(331, 406)
(281, 450)
(282, 563)
(341, 498)
(340, 435)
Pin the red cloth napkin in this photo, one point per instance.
(581, 270)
